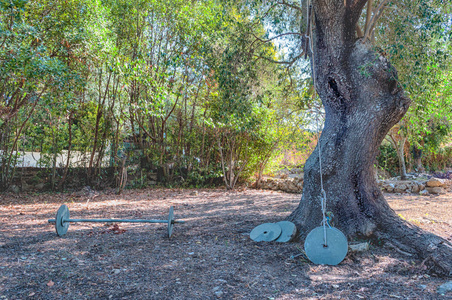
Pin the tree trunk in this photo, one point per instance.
(401, 153)
(68, 160)
(362, 101)
(398, 142)
(417, 156)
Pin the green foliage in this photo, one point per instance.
(439, 160)
(417, 40)
(387, 159)
(415, 37)
(191, 87)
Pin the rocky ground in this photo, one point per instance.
(209, 257)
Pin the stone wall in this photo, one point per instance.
(293, 183)
(290, 185)
(423, 186)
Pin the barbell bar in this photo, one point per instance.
(62, 220)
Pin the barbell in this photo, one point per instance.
(62, 220)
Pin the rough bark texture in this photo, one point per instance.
(362, 100)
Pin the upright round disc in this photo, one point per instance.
(170, 221)
(61, 227)
(288, 231)
(330, 254)
(266, 232)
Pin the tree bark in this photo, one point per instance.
(362, 100)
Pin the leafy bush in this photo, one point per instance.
(440, 160)
(387, 159)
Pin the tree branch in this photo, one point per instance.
(293, 6)
(359, 32)
(376, 15)
(145, 131)
(282, 62)
(275, 37)
(391, 140)
(372, 25)
(369, 14)
(266, 13)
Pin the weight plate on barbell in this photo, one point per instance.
(61, 227)
(332, 253)
(288, 231)
(266, 232)
(170, 221)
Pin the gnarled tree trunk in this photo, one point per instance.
(362, 100)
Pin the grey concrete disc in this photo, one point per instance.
(288, 231)
(170, 221)
(61, 227)
(333, 253)
(266, 232)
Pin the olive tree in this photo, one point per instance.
(363, 100)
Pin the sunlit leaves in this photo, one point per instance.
(415, 35)
(173, 76)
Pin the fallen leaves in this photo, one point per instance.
(116, 230)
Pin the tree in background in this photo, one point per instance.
(152, 84)
(417, 42)
(363, 100)
(34, 59)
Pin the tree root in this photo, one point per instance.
(398, 249)
(406, 238)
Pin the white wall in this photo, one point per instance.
(78, 159)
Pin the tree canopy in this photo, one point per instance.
(216, 86)
(181, 86)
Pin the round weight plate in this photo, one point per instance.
(266, 232)
(288, 231)
(61, 227)
(331, 254)
(170, 221)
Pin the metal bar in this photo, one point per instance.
(114, 220)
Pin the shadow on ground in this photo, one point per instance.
(209, 257)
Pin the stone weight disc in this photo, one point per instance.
(331, 254)
(288, 231)
(266, 232)
(170, 221)
(61, 227)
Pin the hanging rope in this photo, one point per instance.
(323, 193)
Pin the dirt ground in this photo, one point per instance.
(209, 257)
